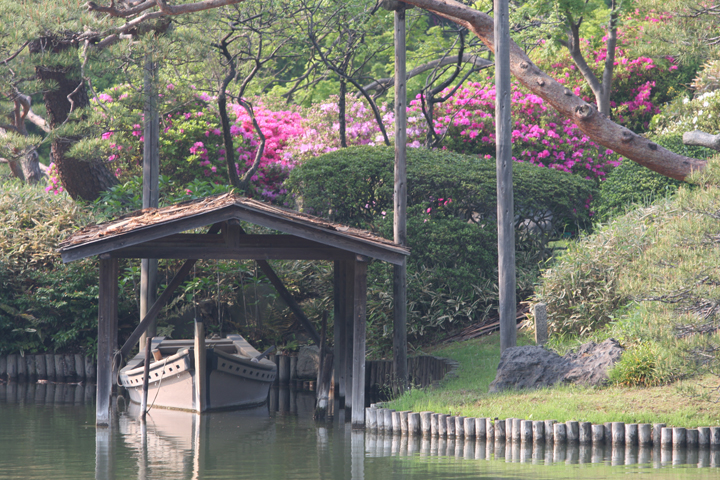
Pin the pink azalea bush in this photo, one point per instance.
(200, 134)
(279, 128)
(191, 141)
(321, 128)
(540, 136)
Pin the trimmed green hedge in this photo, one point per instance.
(452, 231)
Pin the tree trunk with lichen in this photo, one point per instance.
(80, 179)
(596, 126)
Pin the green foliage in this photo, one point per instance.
(649, 279)
(44, 304)
(355, 186)
(127, 197)
(684, 114)
(631, 185)
(451, 226)
(637, 367)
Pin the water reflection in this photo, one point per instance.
(173, 443)
(47, 431)
(380, 444)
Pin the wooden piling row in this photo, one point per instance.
(52, 367)
(422, 371)
(513, 430)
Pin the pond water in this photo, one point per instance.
(48, 432)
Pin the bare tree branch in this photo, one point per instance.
(19, 50)
(38, 120)
(475, 60)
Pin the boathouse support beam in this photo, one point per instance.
(359, 324)
(339, 326)
(157, 306)
(349, 330)
(289, 300)
(107, 337)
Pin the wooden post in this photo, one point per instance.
(12, 367)
(151, 193)
(200, 372)
(541, 326)
(358, 386)
(349, 329)
(324, 373)
(400, 369)
(146, 379)
(538, 428)
(339, 328)
(107, 333)
(505, 208)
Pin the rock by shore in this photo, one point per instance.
(531, 367)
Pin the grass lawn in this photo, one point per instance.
(467, 395)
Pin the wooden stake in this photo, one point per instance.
(200, 371)
(358, 388)
(324, 374)
(349, 329)
(339, 329)
(151, 193)
(146, 379)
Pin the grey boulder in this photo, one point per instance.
(532, 367)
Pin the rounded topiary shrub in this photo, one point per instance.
(452, 230)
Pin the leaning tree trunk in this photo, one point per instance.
(81, 179)
(596, 126)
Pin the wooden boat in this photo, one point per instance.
(235, 375)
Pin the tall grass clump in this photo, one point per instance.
(649, 278)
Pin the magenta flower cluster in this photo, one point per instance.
(539, 136)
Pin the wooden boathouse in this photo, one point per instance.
(158, 233)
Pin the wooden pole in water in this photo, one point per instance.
(200, 371)
(359, 325)
(324, 373)
(339, 329)
(505, 208)
(107, 339)
(146, 379)
(151, 193)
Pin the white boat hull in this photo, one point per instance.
(233, 380)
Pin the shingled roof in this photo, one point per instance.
(142, 227)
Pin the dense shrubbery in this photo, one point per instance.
(649, 279)
(44, 304)
(451, 226)
(628, 186)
